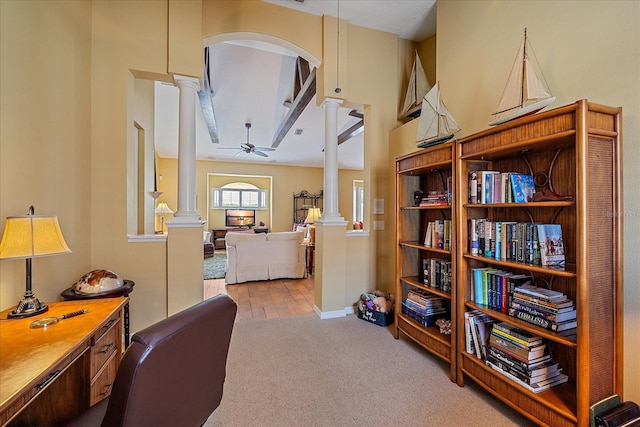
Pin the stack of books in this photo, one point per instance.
(546, 308)
(435, 198)
(424, 307)
(523, 357)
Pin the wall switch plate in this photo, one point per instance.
(378, 225)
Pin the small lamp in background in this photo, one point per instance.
(312, 217)
(162, 209)
(27, 237)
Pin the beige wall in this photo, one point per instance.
(45, 135)
(587, 49)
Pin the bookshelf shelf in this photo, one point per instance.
(580, 146)
(426, 170)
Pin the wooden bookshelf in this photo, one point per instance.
(426, 170)
(578, 148)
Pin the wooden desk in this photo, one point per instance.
(48, 376)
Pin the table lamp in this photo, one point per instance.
(27, 237)
(162, 209)
(312, 217)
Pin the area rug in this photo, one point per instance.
(216, 266)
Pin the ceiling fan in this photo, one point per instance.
(248, 147)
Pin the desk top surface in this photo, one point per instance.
(27, 355)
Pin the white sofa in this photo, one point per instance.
(265, 256)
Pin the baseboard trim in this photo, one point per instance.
(333, 314)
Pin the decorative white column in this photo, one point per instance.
(186, 211)
(330, 213)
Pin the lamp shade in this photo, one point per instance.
(163, 208)
(312, 215)
(32, 236)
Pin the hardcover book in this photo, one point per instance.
(551, 246)
(523, 187)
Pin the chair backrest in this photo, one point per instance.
(173, 372)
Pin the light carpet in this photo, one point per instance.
(303, 371)
(216, 266)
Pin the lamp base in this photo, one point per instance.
(27, 307)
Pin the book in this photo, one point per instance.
(523, 187)
(542, 322)
(474, 243)
(557, 305)
(428, 235)
(551, 245)
(473, 187)
(541, 293)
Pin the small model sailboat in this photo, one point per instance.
(418, 87)
(526, 91)
(436, 123)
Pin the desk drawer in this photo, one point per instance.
(105, 347)
(101, 386)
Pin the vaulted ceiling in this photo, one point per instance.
(256, 82)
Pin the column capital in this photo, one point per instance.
(185, 82)
(332, 102)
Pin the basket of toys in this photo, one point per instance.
(376, 307)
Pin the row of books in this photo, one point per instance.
(438, 234)
(436, 273)
(527, 242)
(496, 187)
(423, 307)
(515, 295)
(519, 355)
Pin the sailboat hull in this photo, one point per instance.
(434, 141)
(524, 111)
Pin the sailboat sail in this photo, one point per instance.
(437, 125)
(526, 91)
(418, 87)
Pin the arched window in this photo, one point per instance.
(238, 195)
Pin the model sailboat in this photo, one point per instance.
(418, 87)
(526, 91)
(436, 123)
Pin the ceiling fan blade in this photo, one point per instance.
(260, 153)
(238, 153)
(265, 149)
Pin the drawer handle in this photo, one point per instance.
(106, 348)
(50, 378)
(110, 323)
(107, 390)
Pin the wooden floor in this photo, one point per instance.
(268, 299)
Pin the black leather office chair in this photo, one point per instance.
(173, 372)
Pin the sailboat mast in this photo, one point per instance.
(524, 69)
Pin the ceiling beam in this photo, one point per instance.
(351, 132)
(206, 102)
(302, 99)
